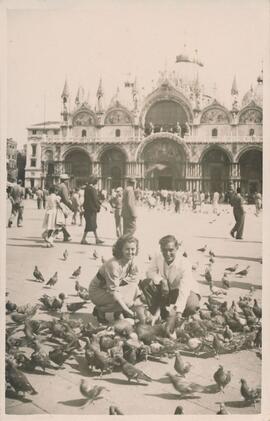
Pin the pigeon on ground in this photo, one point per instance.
(185, 254)
(180, 366)
(257, 310)
(76, 272)
(225, 281)
(183, 388)
(17, 379)
(212, 260)
(227, 334)
(132, 372)
(38, 275)
(243, 272)
(52, 281)
(10, 307)
(179, 410)
(232, 268)
(91, 393)
(250, 395)
(40, 358)
(65, 255)
(95, 255)
(114, 410)
(203, 249)
(221, 378)
(211, 253)
(222, 409)
(76, 306)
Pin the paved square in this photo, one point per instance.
(58, 391)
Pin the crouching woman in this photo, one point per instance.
(114, 289)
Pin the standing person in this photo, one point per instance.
(237, 203)
(129, 212)
(39, 195)
(16, 197)
(75, 205)
(202, 200)
(215, 201)
(62, 191)
(49, 221)
(91, 207)
(81, 200)
(258, 203)
(116, 203)
(170, 282)
(45, 196)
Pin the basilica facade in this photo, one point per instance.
(175, 137)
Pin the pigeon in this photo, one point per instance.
(181, 387)
(76, 272)
(57, 303)
(185, 254)
(258, 338)
(249, 395)
(222, 410)
(221, 378)
(257, 310)
(18, 317)
(60, 355)
(212, 260)
(132, 372)
(208, 276)
(10, 307)
(18, 380)
(180, 366)
(91, 393)
(227, 334)
(225, 281)
(232, 268)
(95, 255)
(149, 257)
(40, 358)
(179, 410)
(73, 307)
(52, 281)
(195, 266)
(203, 249)
(103, 260)
(243, 272)
(82, 291)
(65, 255)
(114, 410)
(211, 253)
(102, 360)
(38, 275)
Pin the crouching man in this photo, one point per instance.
(170, 287)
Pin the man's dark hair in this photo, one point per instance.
(168, 239)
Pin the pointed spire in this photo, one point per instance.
(65, 93)
(234, 90)
(260, 78)
(100, 94)
(115, 98)
(79, 96)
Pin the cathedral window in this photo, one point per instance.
(117, 133)
(34, 150)
(33, 162)
(251, 132)
(214, 132)
(84, 133)
(34, 132)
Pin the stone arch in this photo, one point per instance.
(83, 117)
(113, 166)
(215, 163)
(251, 114)
(215, 114)
(118, 115)
(246, 149)
(250, 162)
(107, 148)
(78, 164)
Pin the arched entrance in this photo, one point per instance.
(164, 165)
(251, 171)
(113, 166)
(215, 171)
(166, 116)
(78, 165)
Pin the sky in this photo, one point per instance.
(85, 40)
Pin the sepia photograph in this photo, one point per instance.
(134, 207)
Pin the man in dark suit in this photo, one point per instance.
(237, 202)
(91, 207)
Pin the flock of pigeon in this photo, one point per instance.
(217, 328)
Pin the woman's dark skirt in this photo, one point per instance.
(90, 221)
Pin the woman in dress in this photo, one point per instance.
(115, 289)
(91, 206)
(49, 222)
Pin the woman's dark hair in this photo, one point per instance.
(168, 239)
(117, 250)
(52, 189)
(92, 180)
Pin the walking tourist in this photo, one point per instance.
(91, 207)
(39, 195)
(237, 203)
(50, 218)
(215, 202)
(258, 203)
(116, 203)
(75, 205)
(16, 196)
(114, 289)
(44, 198)
(129, 212)
(170, 287)
(62, 191)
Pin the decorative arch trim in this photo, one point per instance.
(159, 136)
(247, 149)
(107, 148)
(216, 147)
(87, 110)
(215, 106)
(166, 92)
(75, 149)
(252, 107)
(115, 109)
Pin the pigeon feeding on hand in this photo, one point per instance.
(52, 281)
(76, 272)
(38, 275)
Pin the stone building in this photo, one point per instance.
(11, 159)
(176, 137)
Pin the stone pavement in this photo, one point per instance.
(58, 391)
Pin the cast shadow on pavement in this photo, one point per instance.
(78, 402)
(228, 238)
(237, 404)
(122, 381)
(251, 259)
(172, 396)
(238, 284)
